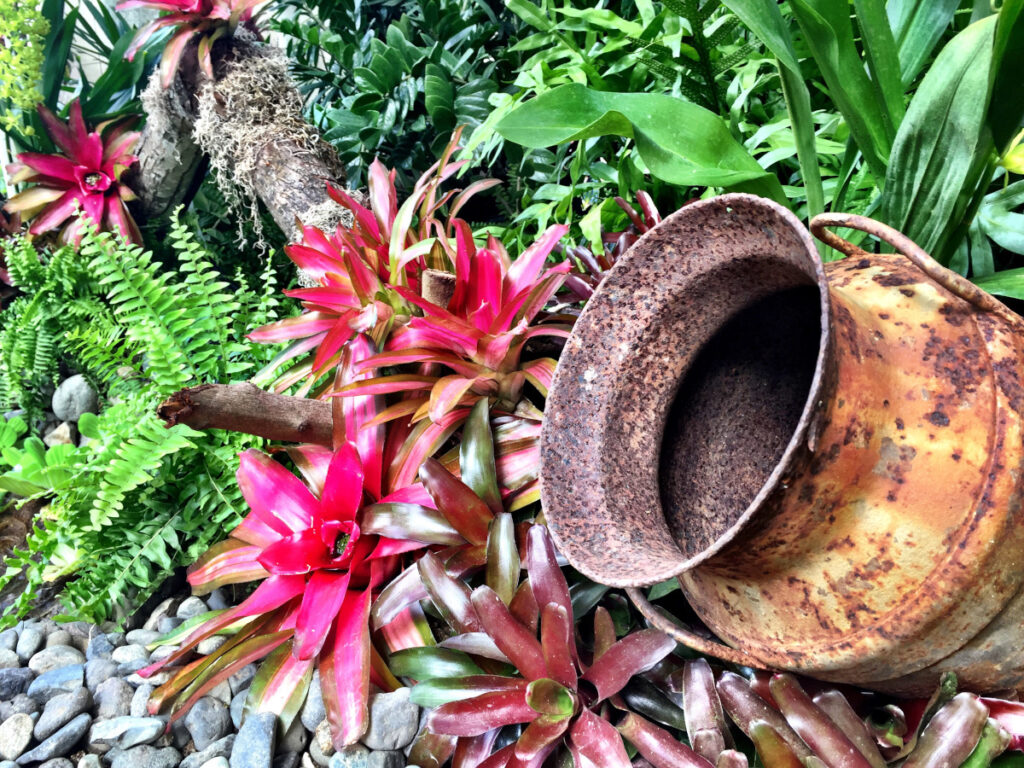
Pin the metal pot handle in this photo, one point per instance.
(688, 638)
(951, 281)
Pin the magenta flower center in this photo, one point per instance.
(91, 180)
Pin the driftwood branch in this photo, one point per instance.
(247, 408)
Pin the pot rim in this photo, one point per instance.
(564, 410)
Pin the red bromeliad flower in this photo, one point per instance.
(320, 568)
(560, 693)
(358, 268)
(86, 176)
(208, 19)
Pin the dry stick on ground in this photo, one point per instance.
(247, 408)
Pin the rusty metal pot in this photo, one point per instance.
(829, 457)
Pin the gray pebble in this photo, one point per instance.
(113, 698)
(393, 721)
(168, 624)
(139, 706)
(237, 704)
(162, 652)
(58, 762)
(81, 632)
(191, 606)
(243, 678)
(15, 735)
(146, 756)
(216, 762)
(60, 710)
(306, 762)
(317, 755)
(19, 704)
(59, 744)
(207, 721)
(386, 759)
(14, 681)
(29, 641)
(98, 670)
(208, 645)
(129, 668)
(295, 738)
(55, 682)
(9, 639)
(125, 732)
(116, 639)
(89, 760)
(9, 659)
(221, 692)
(99, 648)
(55, 657)
(142, 636)
(220, 748)
(73, 398)
(129, 653)
(254, 744)
(217, 600)
(163, 609)
(60, 637)
(323, 739)
(155, 680)
(313, 710)
(356, 756)
(8, 764)
(287, 760)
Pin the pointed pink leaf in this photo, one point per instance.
(348, 670)
(512, 638)
(229, 562)
(525, 269)
(300, 326)
(275, 495)
(451, 597)
(466, 511)
(54, 166)
(280, 686)
(546, 579)
(320, 605)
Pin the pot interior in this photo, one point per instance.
(736, 409)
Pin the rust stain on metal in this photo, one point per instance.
(829, 457)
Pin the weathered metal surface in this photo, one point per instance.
(828, 458)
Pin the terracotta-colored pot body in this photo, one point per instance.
(829, 457)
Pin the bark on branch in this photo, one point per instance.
(247, 408)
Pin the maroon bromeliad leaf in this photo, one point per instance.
(596, 740)
(658, 746)
(451, 596)
(345, 671)
(511, 637)
(280, 686)
(556, 637)
(475, 716)
(705, 721)
(466, 511)
(630, 656)
(503, 557)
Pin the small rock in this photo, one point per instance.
(116, 639)
(81, 632)
(243, 678)
(55, 657)
(393, 721)
(287, 760)
(59, 744)
(207, 721)
(216, 762)
(8, 764)
(29, 641)
(155, 680)
(58, 762)
(139, 706)
(64, 433)
(14, 681)
(9, 639)
(254, 744)
(295, 738)
(221, 692)
(219, 748)
(89, 760)
(168, 624)
(323, 738)
(113, 698)
(129, 653)
(237, 704)
(125, 732)
(142, 637)
(162, 610)
(15, 735)
(386, 759)
(98, 670)
(60, 637)
(60, 710)
(356, 756)
(99, 648)
(74, 397)
(208, 645)
(191, 606)
(307, 762)
(9, 659)
(313, 710)
(146, 756)
(162, 652)
(20, 704)
(129, 668)
(217, 600)
(317, 756)
(55, 682)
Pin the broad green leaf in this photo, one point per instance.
(503, 557)
(934, 169)
(428, 663)
(882, 56)
(1008, 282)
(679, 142)
(996, 217)
(829, 34)
(438, 691)
(918, 25)
(1006, 107)
(476, 456)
